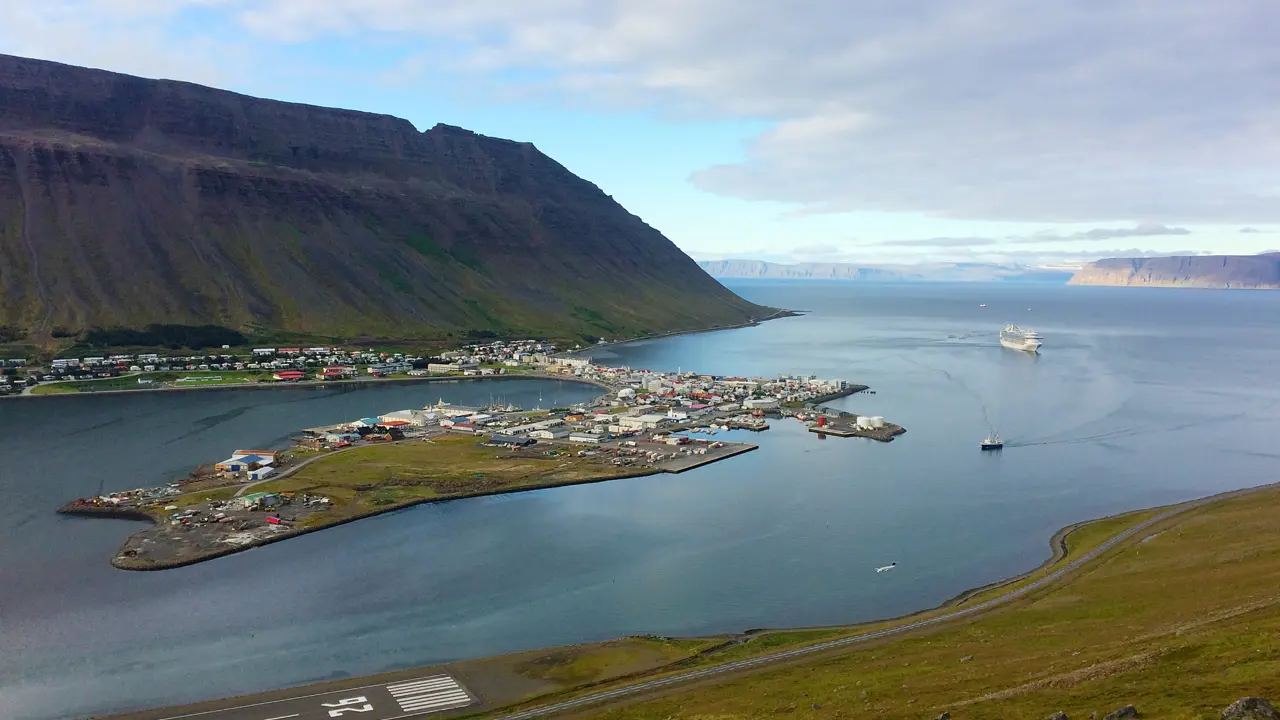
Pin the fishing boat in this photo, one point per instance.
(992, 442)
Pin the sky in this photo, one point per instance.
(802, 131)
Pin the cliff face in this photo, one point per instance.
(126, 201)
(1203, 271)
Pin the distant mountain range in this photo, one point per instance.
(1201, 271)
(126, 202)
(952, 272)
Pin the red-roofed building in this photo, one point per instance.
(290, 375)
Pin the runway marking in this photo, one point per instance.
(284, 717)
(432, 694)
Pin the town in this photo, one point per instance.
(644, 422)
(261, 365)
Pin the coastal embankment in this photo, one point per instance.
(344, 485)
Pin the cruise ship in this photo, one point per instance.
(1016, 338)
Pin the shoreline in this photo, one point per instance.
(781, 313)
(138, 515)
(121, 561)
(529, 706)
(309, 384)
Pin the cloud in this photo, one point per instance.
(139, 37)
(1082, 111)
(816, 250)
(941, 242)
(1251, 231)
(1142, 230)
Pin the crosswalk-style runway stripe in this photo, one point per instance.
(457, 699)
(423, 681)
(431, 694)
(424, 686)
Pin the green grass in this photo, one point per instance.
(1180, 626)
(130, 382)
(367, 479)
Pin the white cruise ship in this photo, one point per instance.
(1016, 338)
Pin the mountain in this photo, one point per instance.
(1202, 271)
(849, 271)
(126, 202)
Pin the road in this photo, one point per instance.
(403, 699)
(787, 655)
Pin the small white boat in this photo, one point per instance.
(887, 568)
(983, 305)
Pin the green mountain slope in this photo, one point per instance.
(125, 202)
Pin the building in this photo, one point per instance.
(262, 473)
(289, 375)
(510, 440)
(641, 422)
(336, 372)
(767, 403)
(549, 434)
(530, 427)
(260, 500)
(585, 438)
(270, 456)
(240, 463)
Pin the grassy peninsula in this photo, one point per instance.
(318, 490)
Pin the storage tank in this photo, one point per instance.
(877, 421)
(822, 421)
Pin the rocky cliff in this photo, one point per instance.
(1203, 271)
(126, 201)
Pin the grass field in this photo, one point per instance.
(1180, 623)
(382, 476)
(169, 379)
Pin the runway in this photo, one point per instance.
(410, 698)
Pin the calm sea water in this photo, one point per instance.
(1141, 397)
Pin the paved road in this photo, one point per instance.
(644, 687)
(407, 698)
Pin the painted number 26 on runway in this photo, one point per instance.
(355, 704)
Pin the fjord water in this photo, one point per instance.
(1140, 398)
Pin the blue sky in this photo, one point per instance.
(813, 130)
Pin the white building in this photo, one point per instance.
(549, 434)
(585, 438)
(760, 404)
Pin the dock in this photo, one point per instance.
(839, 429)
(684, 463)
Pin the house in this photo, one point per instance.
(262, 473)
(336, 372)
(289, 375)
